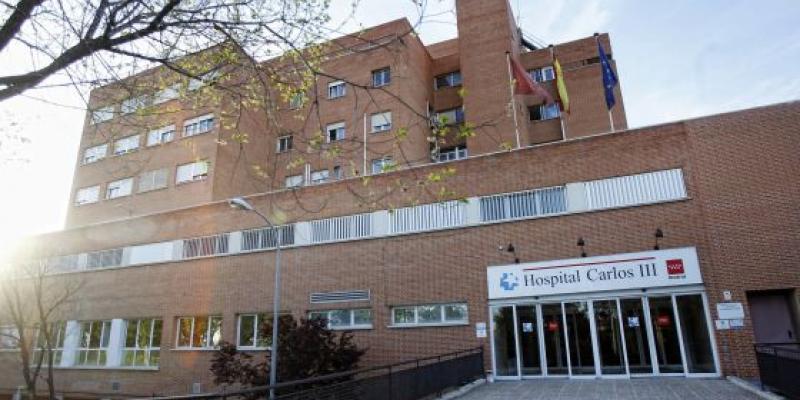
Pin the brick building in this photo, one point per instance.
(414, 266)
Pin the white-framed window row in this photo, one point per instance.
(381, 77)
(102, 114)
(337, 89)
(153, 180)
(450, 79)
(543, 74)
(452, 154)
(93, 341)
(381, 165)
(544, 112)
(142, 347)
(198, 333)
(345, 319)
(133, 104)
(94, 153)
(284, 144)
(119, 188)
(381, 122)
(192, 172)
(294, 181)
(9, 338)
(58, 333)
(251, 333)
(320, 177)
(451, 116)
(168, 93)
(161, 135)
(198, 125)
(335, 132)
(126, 145)
(430, 315)
(205, 79)
(87, 195)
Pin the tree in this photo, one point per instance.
(306, 349)
(31, 303)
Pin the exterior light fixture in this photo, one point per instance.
(659, 234)
(581, 244)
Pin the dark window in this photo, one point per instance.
(381, 77)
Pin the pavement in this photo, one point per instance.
(611, 389)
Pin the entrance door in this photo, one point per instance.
(528, 332)
(579, 334)
(610, 348)
(665, 335)
(505, 347)
(772, 317)
(555, 344)
(637, 344)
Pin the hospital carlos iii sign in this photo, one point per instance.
(648, 269)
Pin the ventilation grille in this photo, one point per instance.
(267, 238)
(104, 259)
(530, 203)
(629, 190)
(429, 217)
(341, 228)
(338, 297)
(205, 246)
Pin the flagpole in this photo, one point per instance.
(513, 102)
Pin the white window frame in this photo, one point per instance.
(9, 338)
(168, 93)
(102, 114)
(153, 343)
(197, 174)
(293, 181)
(258, 343)
(442, 315)
(198, 125)
(102, 348)
(548, 112)
(337, 172)
(133, 104)
(341, 131)
(80, 194)
(351, 325)
(284, 144)
(382, 77)
(162, 135)
(95, 153)
(296, 101)
(320, 176)
(452, 154)
(449, 78)
(151, 178)
(381, 122)
(543, 74)
(336, 90)
(126, 145)
(119, 188)
(59, 333)
(209, 345)
(205, 79)
(451, 114)
(385, 162)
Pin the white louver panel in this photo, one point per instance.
(529, 203)
(338, 297)
(341, 228)
(267, 238)
(104, 259)
(651, 187)
(205, 246)
(428, 217)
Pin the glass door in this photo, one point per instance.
(528, 333)
(610, 348)
(505, 347)
(665, 335)
(578, 327)
(555, 344)
(637, 344)
(696, 338)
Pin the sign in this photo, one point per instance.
(736, 323)
(647, 269)
(730, 311)
(527, 327)
(722, 324)
(480, 329)
(633, 322)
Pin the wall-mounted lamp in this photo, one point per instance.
(659, 235)
(581, 244)
(513, 251)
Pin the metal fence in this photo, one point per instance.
(779, 367)
(408, 380)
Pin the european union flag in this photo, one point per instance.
(609, 78)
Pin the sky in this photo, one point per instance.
(676, 60)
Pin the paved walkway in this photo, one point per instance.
(611, 389)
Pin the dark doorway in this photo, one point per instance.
(773, 316)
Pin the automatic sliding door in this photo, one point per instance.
(609, 338)
(505, 347)
(696, 339)
(554, 342)
(580, 338)
(528, 332)
(665, 333)
(636, 342)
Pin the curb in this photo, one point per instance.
(753, 389)
(462, 390)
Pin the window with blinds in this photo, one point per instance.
(152, 180)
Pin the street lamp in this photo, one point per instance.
(242, 204)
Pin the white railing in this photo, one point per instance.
(341, 228)
(428, 217)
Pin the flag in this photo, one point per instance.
(609, 77)
(525, 85)
(563, 96)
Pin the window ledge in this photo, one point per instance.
(99, 368)
(187, 349)
(190, 182)
(351, 328)
(435, 324)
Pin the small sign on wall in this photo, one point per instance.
(480, 329)
(733, 310)
(722, 324)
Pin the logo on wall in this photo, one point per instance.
(675, 269)
(509, 281)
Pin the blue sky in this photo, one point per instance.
(676, 60)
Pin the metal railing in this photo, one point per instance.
(779, 367)
(408, 380)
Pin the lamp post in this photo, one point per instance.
(241, 204)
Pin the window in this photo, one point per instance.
(252, 333)
(381, 165)
(453, 153)
(543, 74)
(87, 195)
(161, 135)
(430, 314)
(133, 104)
(338, 173)
(58, 331)
(95, 153)
(360, 318)
(381, 77)
(142, 343)
(296, 101)
(126, 145)
(9, 338)
(205, 79)
(93, 343)
(381, 122)
(104, 258)
(335, 132)
(120, 188)
(102, 114)
(336, 89)
(152, 180)
(294, 181)
(450, 117)
(320, 176)
(171, 92)
(196, 171)
(199, 125)
(199, 332)
(448, 80)
(544, 112)
(285, 143)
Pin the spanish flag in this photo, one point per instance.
(563, 96)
